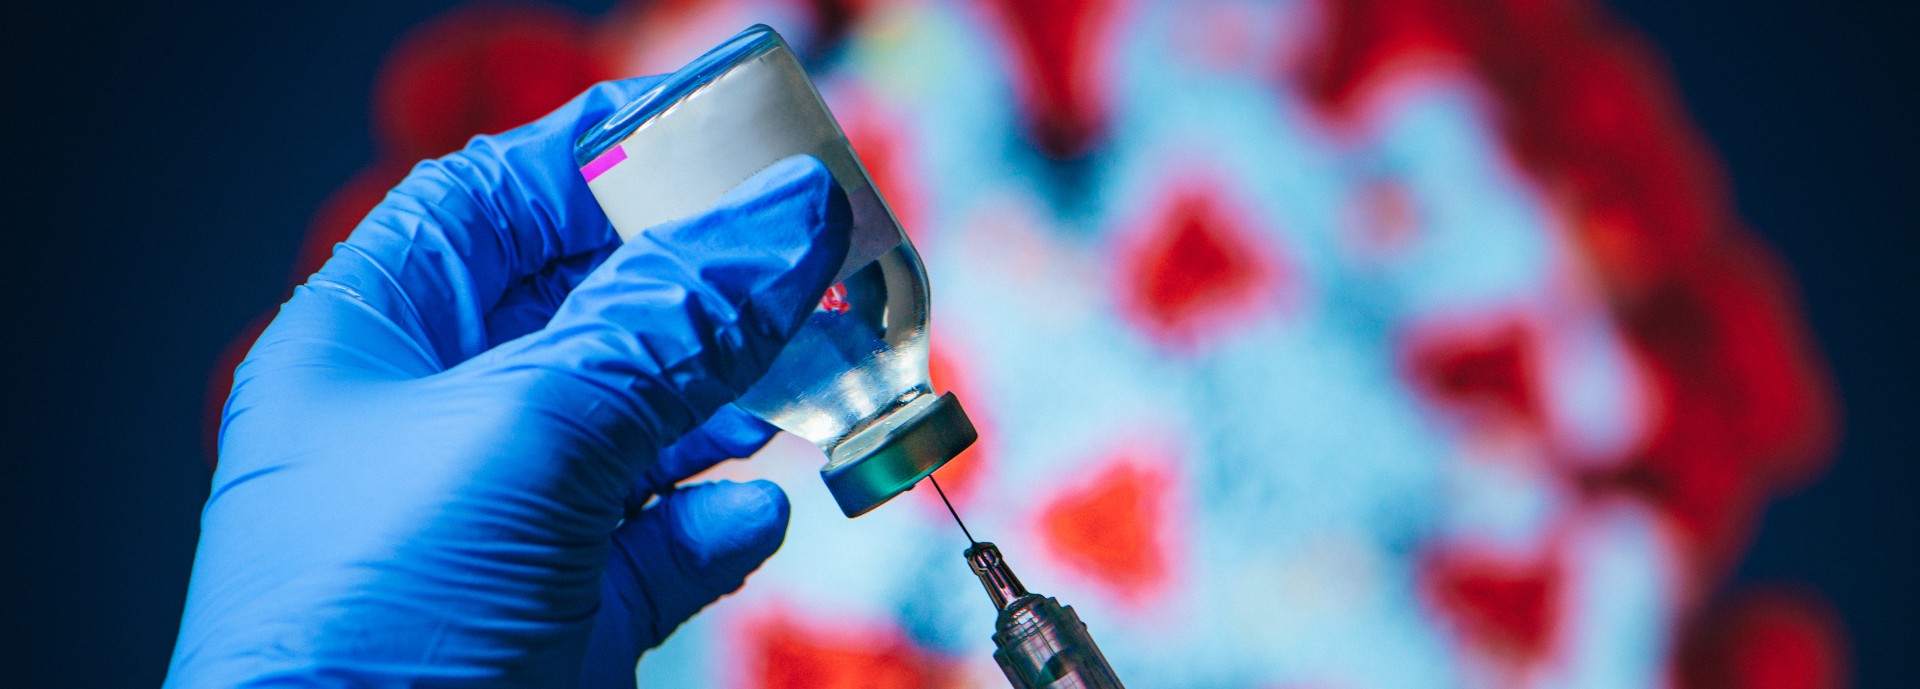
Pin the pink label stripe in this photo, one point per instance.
(605, 162)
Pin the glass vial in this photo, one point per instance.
(854, 379)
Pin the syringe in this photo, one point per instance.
(1038, 642)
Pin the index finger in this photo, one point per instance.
(443, 247)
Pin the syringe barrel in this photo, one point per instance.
(1042, 644)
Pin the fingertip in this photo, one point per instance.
(622, 91)
(737, 525)
(803, 176)
(773, 503)
(801, 193)
(603, 99)
(759, 507)
(698, 544)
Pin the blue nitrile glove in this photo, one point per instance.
(425, 457)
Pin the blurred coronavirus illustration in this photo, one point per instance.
(1313, 343)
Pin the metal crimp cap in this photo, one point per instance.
(910, 452)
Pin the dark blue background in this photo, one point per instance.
(162, 163)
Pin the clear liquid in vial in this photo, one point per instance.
(860, 360)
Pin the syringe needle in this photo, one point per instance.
(950, 510)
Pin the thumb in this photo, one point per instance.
(687, 315)
(686, 551)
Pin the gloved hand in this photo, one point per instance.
(426, 455)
